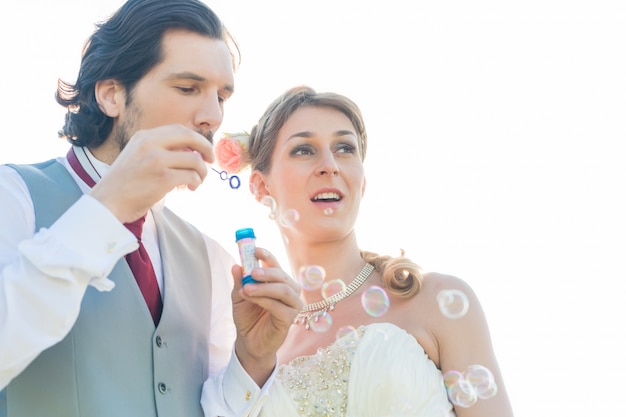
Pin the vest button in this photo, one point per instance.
(162, 387)
(159, 341)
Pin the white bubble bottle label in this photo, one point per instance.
(246, 241)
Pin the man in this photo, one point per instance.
(83, 331)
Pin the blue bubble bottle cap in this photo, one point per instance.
(244, 233)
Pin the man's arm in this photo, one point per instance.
(43, 276)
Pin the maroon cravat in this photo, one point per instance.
(139, 261)
(140, 264)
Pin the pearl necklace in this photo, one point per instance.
(313, 311)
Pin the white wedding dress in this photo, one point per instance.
(381, 371)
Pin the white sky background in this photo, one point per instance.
(496, 154)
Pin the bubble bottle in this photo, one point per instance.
(246, 240)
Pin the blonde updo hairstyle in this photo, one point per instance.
(401, 276)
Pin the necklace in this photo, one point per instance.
(313, 311)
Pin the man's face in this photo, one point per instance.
(188, 87)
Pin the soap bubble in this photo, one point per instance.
(268, 200)
(453, 303)
(375, 301)
(346, 331)
(289, 218)
(320, 322)
(460, 391)
(482, 380)
(311, 277)
(333, 287)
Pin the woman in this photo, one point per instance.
(410, 356)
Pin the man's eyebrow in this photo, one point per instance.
(187, 75)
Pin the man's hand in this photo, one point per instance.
(154, 162)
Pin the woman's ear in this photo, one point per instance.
(258, 186)
(363, 187)
(111, 97)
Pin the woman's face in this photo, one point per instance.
(316, 171)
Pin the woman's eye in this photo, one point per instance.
(346, 148)
(302, 150)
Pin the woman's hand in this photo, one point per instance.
(263, 314)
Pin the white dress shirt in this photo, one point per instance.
(62, 261)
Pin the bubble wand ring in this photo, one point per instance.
(233, 180)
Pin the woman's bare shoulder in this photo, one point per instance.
(435, 282)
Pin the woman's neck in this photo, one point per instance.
(339, 260)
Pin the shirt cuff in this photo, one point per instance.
(241, 394)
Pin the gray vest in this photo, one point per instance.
(114, 363)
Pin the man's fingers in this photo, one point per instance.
(179, 138)
(187, 168)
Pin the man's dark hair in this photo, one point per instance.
(125, 48)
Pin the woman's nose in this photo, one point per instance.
(328, 165)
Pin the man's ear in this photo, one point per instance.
(111, 97)
(258, 185)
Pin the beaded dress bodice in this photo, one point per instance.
(379, 370)
(319, 383)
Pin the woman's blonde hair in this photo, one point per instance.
(401, 276)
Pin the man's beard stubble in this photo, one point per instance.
(124, 131)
